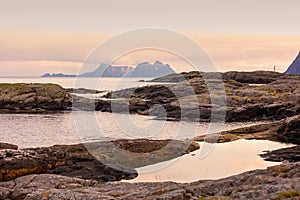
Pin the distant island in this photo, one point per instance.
(145, 69)
(58, 75)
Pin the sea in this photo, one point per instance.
(42, 130)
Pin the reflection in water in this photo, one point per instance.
(36, 130)
(226, 159)
(29, 130)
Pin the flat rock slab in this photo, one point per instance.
(102, 161)
(273, 183)
(291, 154)
(286, 130)
(8, 146)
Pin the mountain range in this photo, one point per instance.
(145, 69)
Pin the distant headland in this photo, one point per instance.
(144, 69)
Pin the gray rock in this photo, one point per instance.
(271, 183)
(8, 146)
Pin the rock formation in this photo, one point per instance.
(294, 68)
(278, 182)
(275, 97)
(101, 161)
(33, 97)
(286, 130)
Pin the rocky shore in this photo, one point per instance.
(72, 172)
(21, 97)
(286, 130)
(278, 182)
(101, 161)
(91, 170)
(250, 96)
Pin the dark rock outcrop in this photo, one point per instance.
(277, 99)
(101, 161)
(255, 77)
(273, 183)
(8, 146)
(33, 97)
(287, 130)
(186, 100)
(290, 154)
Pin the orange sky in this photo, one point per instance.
(56, 36)
(34, 53)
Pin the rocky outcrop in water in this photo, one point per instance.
(287, 130)
(101, 161)
(33, 97)
(276, 99)
(255, 77)
(278, 182)
(7, 146)
(290, 154)
(191, 99)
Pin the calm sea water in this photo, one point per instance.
(36, 130)
(105, 84)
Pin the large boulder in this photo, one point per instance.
(33, 97)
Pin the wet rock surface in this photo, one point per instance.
(101, 161)
(271, 183)
(291, 154)
(83, 91)
(286, 130)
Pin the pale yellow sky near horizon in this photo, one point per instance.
(56, 36)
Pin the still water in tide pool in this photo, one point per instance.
(224, 160)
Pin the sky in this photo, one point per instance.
(57, 36)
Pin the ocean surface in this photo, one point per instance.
(37, 130)
(102, 84)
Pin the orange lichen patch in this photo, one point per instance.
(46, 194)
(60, 163)
(11, 175)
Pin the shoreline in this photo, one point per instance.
(274, 99)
